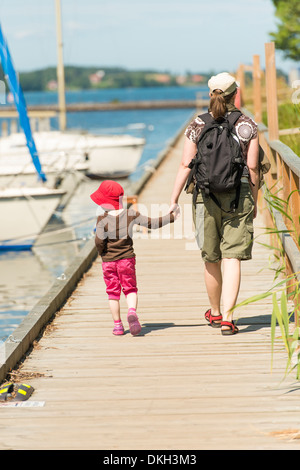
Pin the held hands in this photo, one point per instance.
(175, 209)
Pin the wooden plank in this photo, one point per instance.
(9, 112)
(292, 131)
(257, 75)
(271, 90)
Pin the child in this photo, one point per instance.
(115, 245)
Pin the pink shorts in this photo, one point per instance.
(119, 274)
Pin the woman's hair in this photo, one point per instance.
(218, 103)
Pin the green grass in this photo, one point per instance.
(288, 118)
(284, 292)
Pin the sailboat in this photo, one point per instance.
(97, 155)
(60, 152)
(106, 155)
(24, 212)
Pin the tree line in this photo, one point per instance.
(81, 78)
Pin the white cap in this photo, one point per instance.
(223, 81)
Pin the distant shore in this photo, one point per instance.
(83, 78)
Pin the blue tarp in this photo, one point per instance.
(15, 88)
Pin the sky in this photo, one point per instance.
(177, 36)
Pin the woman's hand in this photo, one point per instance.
(175, 209)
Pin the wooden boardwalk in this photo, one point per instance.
(180, 384)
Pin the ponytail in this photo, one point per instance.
(218, 104)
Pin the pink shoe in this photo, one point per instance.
(118, 329)
(134, 324)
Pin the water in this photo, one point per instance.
(26, 277)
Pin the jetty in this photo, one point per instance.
(51, 110)
(180, 384)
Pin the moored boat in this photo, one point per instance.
(97, 155)
(24, 214)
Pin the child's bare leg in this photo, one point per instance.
(114, 306)
(131, 300)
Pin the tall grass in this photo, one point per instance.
(283, 290)
(288, 110)
(288, 118)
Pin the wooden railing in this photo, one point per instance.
(283, 178)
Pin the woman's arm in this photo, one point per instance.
(252, 162)
(189, 152)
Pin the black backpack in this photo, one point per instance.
(219, 163)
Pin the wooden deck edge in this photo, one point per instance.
(17, 345)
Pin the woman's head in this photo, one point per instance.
(223, 88)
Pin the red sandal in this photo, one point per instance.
(213, 319)
(233, 328)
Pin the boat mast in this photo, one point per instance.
(60, 69)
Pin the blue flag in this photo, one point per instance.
(15, 88)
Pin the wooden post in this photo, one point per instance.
(295, 202)
(4, 129)
(60, 70)
(286, 190)
(271, 91)
(241, 80)
(257, 89)
(13, 126)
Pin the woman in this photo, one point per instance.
(222, 237)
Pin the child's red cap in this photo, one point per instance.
(109, 195)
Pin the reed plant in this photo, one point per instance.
(288, 110)
(286, 288)
(288, 118)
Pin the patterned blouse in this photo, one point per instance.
(246, 130)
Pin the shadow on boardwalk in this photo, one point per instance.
(252, 324)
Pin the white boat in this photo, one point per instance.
(17, 170)
(105, 155)
(113, 156)
(62, 151)
(24, 214)
(25, 208)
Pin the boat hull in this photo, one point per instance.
(24, 214)
(115, 161)
(103, 155)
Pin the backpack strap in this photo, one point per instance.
(206, 118)
(233, 117)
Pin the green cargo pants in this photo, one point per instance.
(221, 235)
